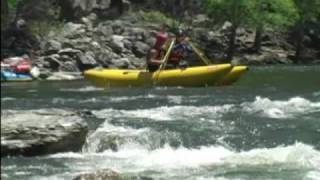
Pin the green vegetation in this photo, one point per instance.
(158, 17)
(42, 28)
(12, 4)
(274, 14)
(257, 14)
(237, 12)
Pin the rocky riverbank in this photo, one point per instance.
(91, 39)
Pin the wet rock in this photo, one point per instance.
(39, 132)
(53, 62)
(105, 174)
(87, 61)
(104, 30)
(140, 49)
(52, 47)
(72, 30)
(118, 27)
(123, 63)
(116, 43)
(69, 66)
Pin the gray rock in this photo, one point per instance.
(105, 30)
(118, 27)
(127, 44)
(39, 132)
(52, 46)
(105, 174)
(69, 52)
(151, 41)
(53, 62)
(116, 43)
(72, 30)
(87, 61)
(120, 63)
(140, 49)
(69, 66)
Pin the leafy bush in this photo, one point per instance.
(158, 17)
(43, 28)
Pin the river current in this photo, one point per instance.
(266, 126)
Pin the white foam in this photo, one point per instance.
(168, 157)
(136, 158)
(32, 91)
(95, 139)
(298, 154)
(175, 99)
(312, 175)
(130, 98)
(281, 109)
(316, 94)
(133, 158)
(69, 155)
(7, 98)
(167, 113)
(71, 100)
(84, 89)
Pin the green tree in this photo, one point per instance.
(272, 13)
(237, 12)
(308, 10)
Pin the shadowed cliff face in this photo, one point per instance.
(75, 9)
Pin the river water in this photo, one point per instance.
(266, 126)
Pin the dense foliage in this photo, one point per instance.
(263, 13)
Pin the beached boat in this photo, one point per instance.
(10, 76)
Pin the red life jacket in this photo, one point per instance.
(176, 56)
(161, 38)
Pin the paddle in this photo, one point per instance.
(200, 54)
(165, 59)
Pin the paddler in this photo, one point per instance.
(180, 50)
(157, 52)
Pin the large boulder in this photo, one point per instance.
(140, 49)
(39, 132)
(117, 43)
(73, 30)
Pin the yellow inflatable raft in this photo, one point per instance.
(194, 76)
(232, 76)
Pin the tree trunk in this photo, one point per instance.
(299, 43)
(258, 39)
(4, 13)
(231, 44)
